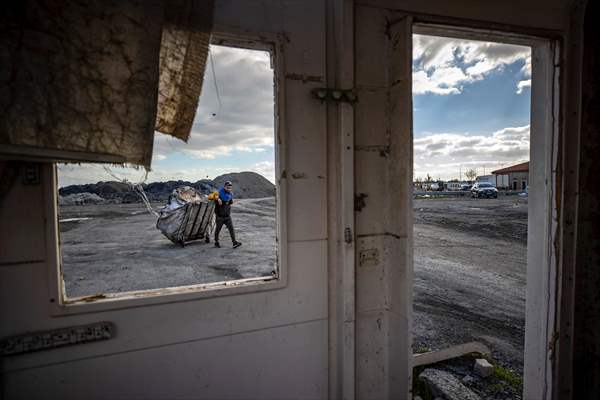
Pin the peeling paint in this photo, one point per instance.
(168, 291)
(93, 297)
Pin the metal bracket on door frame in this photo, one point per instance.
(338, 95)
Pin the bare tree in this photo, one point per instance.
(471, 174)
(419, 183)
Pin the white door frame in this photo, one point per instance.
(541, 259)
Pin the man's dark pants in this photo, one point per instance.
(228, 223)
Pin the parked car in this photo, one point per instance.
(465, 186)
(484, 189)
(434, 186)
(453, 186)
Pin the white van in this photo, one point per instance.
(454, 186)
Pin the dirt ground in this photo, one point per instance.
(118, 248)
(470, 258)
(469, 269)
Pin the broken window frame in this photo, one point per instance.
(542, 297)
(61, 305)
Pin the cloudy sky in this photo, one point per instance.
(471, 110)
(238, 137)
(471, 106)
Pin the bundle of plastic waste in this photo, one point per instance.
(187, 216)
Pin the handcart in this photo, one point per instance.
(188, 216)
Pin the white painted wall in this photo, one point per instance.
(270, 344)
(383, 148)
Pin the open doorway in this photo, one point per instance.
(481, 135)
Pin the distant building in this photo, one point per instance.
(515, 177)
(497, 181)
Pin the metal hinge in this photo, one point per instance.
(339, 95)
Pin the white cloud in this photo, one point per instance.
(243, 121)
(444, 80)
(522, 85)
(244, 118)
(444, 65)
(433, 51)
(442, 154)
(265, 168)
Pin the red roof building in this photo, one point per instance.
(515, 177)
(523, 167)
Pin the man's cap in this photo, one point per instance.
(227, 183)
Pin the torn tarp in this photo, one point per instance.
(79, 80)
(183, 53)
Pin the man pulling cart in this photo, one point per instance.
(223, 202)
(189, 215)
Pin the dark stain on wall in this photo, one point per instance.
(586, 368)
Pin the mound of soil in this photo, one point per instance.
(102, 189)
(78, 199)
(246, 185)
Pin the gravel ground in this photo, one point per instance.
(470, 259)
(118, 248)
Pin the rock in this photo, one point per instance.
(483, 368)
(417, 398)
(443, 384)
(467, 379)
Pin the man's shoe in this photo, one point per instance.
(217, 244)
(236, 244)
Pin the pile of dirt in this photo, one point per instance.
(79, 199)
(246, 185)
(103, 189)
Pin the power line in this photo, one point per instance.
(214, 74)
